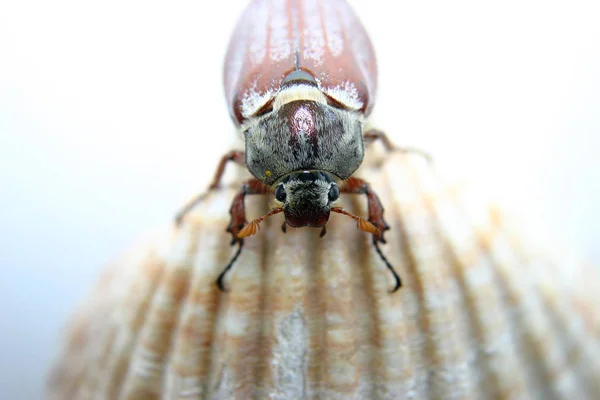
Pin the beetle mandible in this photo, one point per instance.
(300, 79)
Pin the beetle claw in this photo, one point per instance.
(323, 232)
(221, 278)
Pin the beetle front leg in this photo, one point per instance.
(237, 156)
(238, 220)
(238, 207)
(373, 135)
(360, 186)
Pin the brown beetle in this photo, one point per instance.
(300, 79)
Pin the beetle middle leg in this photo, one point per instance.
(238, 220)
(237, 156)
(373, 135)
(375, 209)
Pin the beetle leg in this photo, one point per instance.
(284, 227)
(323, 231)
(221, 277)
(235, 155)
(360, 186)
(238, 220)
(374, 134)
(238, 208)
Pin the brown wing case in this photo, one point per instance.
(276, 37)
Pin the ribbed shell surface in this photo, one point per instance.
(276, 37)
(481, 314)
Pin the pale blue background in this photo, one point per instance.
(111, 115)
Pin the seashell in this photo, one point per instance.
(481, 314)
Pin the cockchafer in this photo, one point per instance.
(300, 79)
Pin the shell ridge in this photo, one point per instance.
(472, 328)
(119, 364)
(291, 350)
(81, 346)
(445, 345)
(266, 319)
(238, 333)
(576, 354)
(188, 271)
(195, 326)
(313, 303)
(565, 315)
(108, 381)
(411, 277)
(212, 358)
(74, 373)
(477, 278)
(342, 377)
(314, 300)
(368, 289)
(391, 312)
(528, 320)
(150, 356)
(289, 325)
(216, 377)
(84, 386)
(585, 326)
(95, 382)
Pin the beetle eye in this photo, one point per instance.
(280, 193)
(334, 192)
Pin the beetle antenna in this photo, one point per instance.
(398, 284)
(228, 267)
(363, 224)
(254, 226)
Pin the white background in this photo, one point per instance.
(112, 115)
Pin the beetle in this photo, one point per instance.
(300, 78)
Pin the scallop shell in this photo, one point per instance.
(481, 314)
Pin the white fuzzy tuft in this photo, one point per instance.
(347, 94)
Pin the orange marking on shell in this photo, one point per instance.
(366, 226)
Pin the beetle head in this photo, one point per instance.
(307, 197)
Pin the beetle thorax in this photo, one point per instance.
(303, 132)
